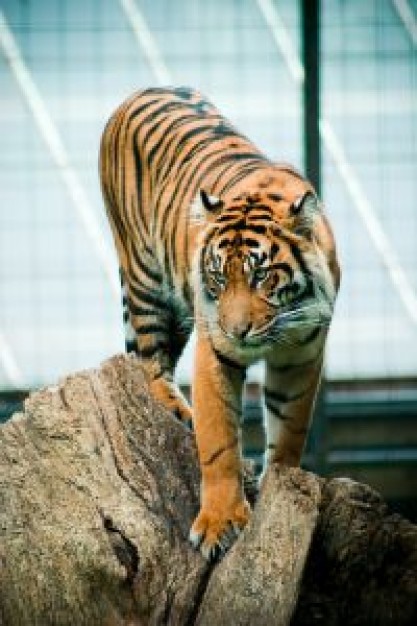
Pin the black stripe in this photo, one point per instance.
(233, 158)
(275, 395)
(199, 173)
(258, 218)
(239, 225)
(191, 180)
(282, 397)
(172, 248)
(224, 129)
(194, 132)
(215, 455)
(275, 410)
(183, 92)
(202, 108)
(285, 267)
(229, 362)
(167, 107)
(274, 250)
(176, 200)
(186, 252)
(295, 366)
(154, 275)
(131, 346)
(138, 168)
(311, 336)
(138, 178)
(276, 197)
(308, 292)
(223, 171)
(229, 184)
(139, 310)
(248, 241)
(149, 351)
(150, 329)
(147, 297)
(228, 217)
(295, 251)
(199, 147)
(121, 277)
(168, 136)
(260, 229)
(243, 173)
(166, 90)
(138, 110)
(156, 114)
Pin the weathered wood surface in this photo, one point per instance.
(99, 486)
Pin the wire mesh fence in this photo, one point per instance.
(66, 64)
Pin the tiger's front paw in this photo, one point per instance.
(215, 530)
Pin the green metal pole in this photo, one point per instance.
(310, 33)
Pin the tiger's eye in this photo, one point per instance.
(260, 274)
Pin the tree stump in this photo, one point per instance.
(99, 486)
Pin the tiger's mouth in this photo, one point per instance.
(288, 322)
(255, 338)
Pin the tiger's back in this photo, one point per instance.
(208, 230)
(159, 148)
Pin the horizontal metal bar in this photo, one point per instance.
(372, 457)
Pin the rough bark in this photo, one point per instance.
(98, 488)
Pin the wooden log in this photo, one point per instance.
(362, 566)
(263, 572)
(99, 486)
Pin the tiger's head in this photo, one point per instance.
(267, 267)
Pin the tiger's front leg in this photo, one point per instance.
(289, 395)
(217, 392)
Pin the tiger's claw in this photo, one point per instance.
(214, 535)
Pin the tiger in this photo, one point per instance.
(210, 234)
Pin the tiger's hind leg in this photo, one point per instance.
(151, 334)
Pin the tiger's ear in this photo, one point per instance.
(305, 209)
(205, 207)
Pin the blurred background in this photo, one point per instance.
(330, 87)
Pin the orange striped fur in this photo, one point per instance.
(211, 233)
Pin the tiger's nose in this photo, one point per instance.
(241, 330)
